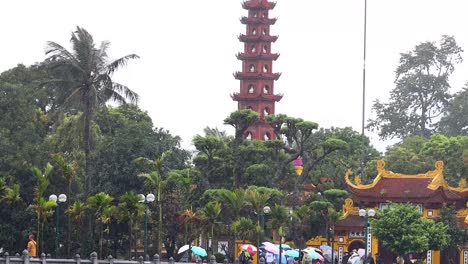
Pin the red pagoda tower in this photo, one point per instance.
(257, 77)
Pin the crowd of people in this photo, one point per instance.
(348, 258)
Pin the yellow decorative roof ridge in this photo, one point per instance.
(437, 176)
(348, 208)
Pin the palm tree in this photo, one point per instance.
(42, 206)
(86, 74)
(130, 209)
(189, 217)
(100, 204)
(210, 215)
(244, 229)
(76, 212)
(154, 180)
(233, 200)
(12, 195)
(257, 201)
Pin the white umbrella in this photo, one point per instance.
(183, 249)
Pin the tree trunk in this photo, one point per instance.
(87, 143)
(100, 240)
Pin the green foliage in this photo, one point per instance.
(455, 119)
(421, 92)
(456, 235)
(416, 155)
(279, 216)
(210, 214)
(130, 209)
(351, 155)
(85, 76)
(401, 229)
(244, 229)
(241, 120)
(128, 133)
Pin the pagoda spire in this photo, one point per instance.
(257, 77)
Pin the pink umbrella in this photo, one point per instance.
(270, 247)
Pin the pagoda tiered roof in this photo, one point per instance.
(258, 20)
(258, 4)
(262, 56)
(255, 97)
(257, 38)
(256, 76)
(429, 187)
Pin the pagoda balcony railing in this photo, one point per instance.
(256, 97)
(257, 38)
(250, 56)
(262, 4)
(256, 76)
(258, 20)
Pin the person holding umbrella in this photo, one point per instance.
(244, 257)
(354, 259)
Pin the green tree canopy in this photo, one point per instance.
(455, 119)
(421, 93)
(401, 228)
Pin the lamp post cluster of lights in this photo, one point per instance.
(60, 199)
(149, 198)
(366, 214)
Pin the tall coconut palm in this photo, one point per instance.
(85, 75)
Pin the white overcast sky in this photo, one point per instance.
(188, 47)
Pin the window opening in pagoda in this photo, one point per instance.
(264, 31)
(251, 68)
(253, 49)
(267, 136)
(265, 14)
(265, 68)
(266, 111)
(248, 136)
(251, 89)
(265, 49)
(254, 14)
(266, 89)
(254, 31)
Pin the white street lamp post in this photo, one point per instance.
(61, 199)
(366, 214)
(149, 198)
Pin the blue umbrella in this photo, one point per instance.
(199, 251)
(284, 246)
(313, 254)
(292, 253)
